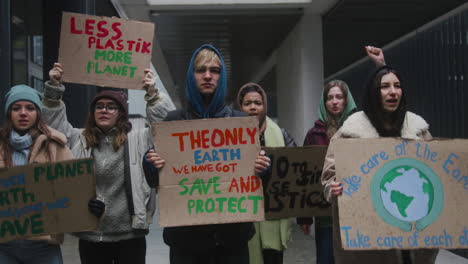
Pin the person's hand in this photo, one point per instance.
(96, 207)
(149, 83)
(262, 163)
(155, 159)
(376, 55)
(55, 75)
(305, 229)
(336, 188)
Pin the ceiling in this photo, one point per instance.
(245, 38)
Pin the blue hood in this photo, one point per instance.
(193, 94)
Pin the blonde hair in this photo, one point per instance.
(204, 57)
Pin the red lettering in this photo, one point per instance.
(109, 44)
(205, 139)
(245, 185)
(145, 47)
(233, 185)
(118, 33)
(103, 32)
(130, 44)
(241, 137)
(210, 167)
(91, 41)
(89, 25)
(255, 183)
(231, 137)
(251, 132)
(220, 136)
(119, 44)
(181, 139)
(195, 141)
(73, 29)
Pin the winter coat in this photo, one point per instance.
(140, 197)
(58, 151)
(359, 126)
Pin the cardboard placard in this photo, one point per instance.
(295, 189)
(46, 198)
(209, 175)
(402, 194)
(105, 51)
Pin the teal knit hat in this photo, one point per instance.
(22, 93)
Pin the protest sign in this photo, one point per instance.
(294, 188)
(402, 194)
(46, 198)
(209, 175)
(105, 51)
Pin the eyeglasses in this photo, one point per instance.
(109, 108)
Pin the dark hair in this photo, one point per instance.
(385, 124)
(37, 129)
(251, 87)
(91, 131)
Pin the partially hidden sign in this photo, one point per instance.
(209, 175)
(46, 198)
(105, 51)
(402, 194)
(293, 187)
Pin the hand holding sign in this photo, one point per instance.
(336, 188)
(154, 158)
(149, 83)
(262, 163)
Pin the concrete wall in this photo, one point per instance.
(299, 73)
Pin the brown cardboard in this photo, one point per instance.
(51, 197)
(386, 206)
(105, 51)
(294, 188)
(179, 208)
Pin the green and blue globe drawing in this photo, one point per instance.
(406, 191)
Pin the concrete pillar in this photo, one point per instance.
(299, 70)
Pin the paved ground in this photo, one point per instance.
(301, 251)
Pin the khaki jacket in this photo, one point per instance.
(359, 126)
(58, 152)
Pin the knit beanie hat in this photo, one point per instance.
(120, 98)
(22, 93)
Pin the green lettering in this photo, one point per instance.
(22, 228)
(89, 66)
(215, 185)
(232, 204)
(132, 71)
(37, 172)
(70, 169)
(96, 68)
(59, 171)
(209, 202)
(116, 70)
(124, 70)
(196, 186)
(7, 227)
(181, 184)
(4, 198)
(100, 54)
(128, 57)
(89, 165)
(190, 205)
(37, 224)
(110, 55)
(108, 69)
(118, 56)
(255, 200)
(239, 205)
(221, 201)
(199, 207)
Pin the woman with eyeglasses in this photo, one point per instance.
(125, 203)
(26, 139)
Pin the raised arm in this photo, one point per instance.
(54, 110)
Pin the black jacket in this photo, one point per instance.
(202, 236)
